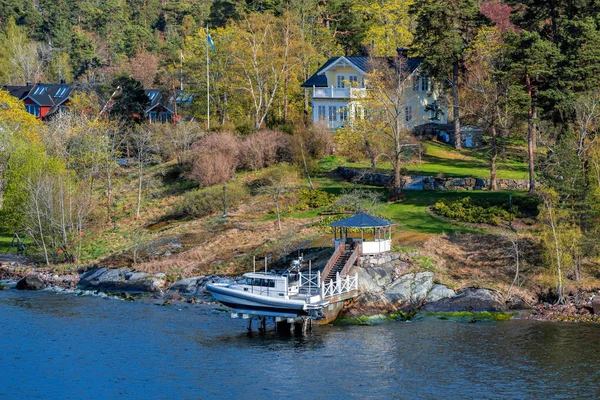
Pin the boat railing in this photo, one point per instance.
(339, 286)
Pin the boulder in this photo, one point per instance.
(469, 299)
(194, 285)
(596, 304)
(31, 282)
(439, 292)
(121, 280)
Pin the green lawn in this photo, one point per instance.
(412, 214)
(5, 239)
(442, 159)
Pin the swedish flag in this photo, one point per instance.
(210, 41)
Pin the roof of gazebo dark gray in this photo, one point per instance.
(362, 220)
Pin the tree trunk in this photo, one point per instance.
(306, 167)
(455, 111)
(369, 151)
(530, 139)
(396, 193)
(278, 214)
(139, 197)
(493, 161)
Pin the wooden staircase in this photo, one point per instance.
(339, 264)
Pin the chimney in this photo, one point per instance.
(402, 52)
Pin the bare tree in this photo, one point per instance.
(142, 140)
(387, 110)
(280, 181)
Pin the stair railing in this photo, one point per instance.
(353, 258)
(331, 263)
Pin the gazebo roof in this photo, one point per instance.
(362, 220)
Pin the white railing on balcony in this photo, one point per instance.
(339, 286)
(338, 93)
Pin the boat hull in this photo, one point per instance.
(242, 301)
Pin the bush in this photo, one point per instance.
(203, 202)
(479, 212)
(264, 149)
(214, 159)
(308, 198)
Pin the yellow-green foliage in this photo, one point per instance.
(469, 210)
(468, 316)
(308, 198)
(209, 200)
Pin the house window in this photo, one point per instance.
(408, 113)
(353, 79)
(343, 113)
(153, 116)
(33, 109)
(165, 117)
(332, 113)
(425, 84)
(415, 81)
(322, 112)
(341, 81)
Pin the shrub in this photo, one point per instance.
(479, 212)
(214, 159)
(264, 149)
(203, 202)
(308, 198)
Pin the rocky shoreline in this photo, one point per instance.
(385, 289)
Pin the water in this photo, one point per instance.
(69, 347)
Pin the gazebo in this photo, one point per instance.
(375, 233)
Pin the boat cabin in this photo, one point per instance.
(270, 285)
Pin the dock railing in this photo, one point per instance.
(351, 260)
(341, 285)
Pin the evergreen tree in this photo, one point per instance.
(131, 100)
(444, 31)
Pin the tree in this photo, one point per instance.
(488, 87)
(389, 24)
(385, 105)
(131, 100)
(143, 145)
(533, 61)
(444, 31)
(279, 182)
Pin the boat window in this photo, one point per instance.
(260, 282)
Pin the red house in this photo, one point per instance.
(46, 99)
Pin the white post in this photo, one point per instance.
(356, 281)
(254, 264)
(323, 292)
(319, 278)
(207, 84)
(265, 265)
(337, 282)
(309, 277)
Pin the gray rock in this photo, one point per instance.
(596, 304)
(133, 276)
(439, 292)
(469, 299)
(421, 286)
(161, 275)
(31, 282)
(189, 285)
(401, 289)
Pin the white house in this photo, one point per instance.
(338, 86)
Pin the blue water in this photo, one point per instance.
(67, 347)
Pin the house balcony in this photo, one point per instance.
(338, 93)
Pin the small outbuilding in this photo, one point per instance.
(375, 233)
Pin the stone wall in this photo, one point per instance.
(427, 182)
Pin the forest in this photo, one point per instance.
(526, 72)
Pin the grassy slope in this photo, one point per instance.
(5, 239)
(441, 159)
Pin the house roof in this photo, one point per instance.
(362, 220)
(166, 99)
(17, 91)
(50, 94)
(364, 63)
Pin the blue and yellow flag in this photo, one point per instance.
(210, 41)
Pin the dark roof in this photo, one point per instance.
(17, 91)
(50, 94)
(165, 98)
(362, 220)
(362, 62)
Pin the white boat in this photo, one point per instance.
(268, 294)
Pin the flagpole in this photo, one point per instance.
(207, 84)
